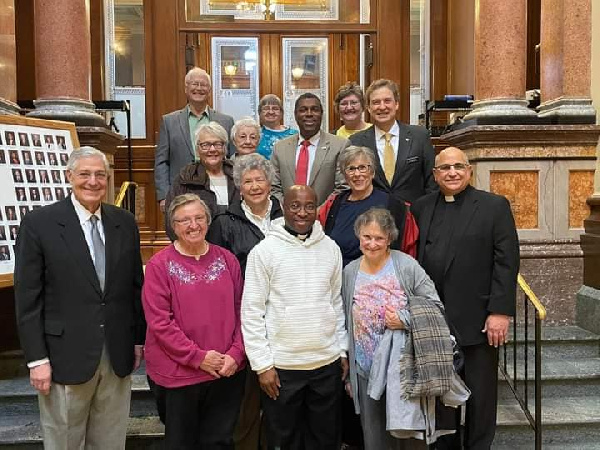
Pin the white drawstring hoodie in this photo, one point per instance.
(292, 312)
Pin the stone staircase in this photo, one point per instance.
(570, 394)
(19, 413)
(570, 405)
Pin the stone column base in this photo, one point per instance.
(81, 112)
(575, 108)
(500, 108)
(9, 108)
(587, 309)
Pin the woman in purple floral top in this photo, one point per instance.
(194, 349)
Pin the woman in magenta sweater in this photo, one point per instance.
(194, 349)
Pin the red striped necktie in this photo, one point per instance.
(302, 165)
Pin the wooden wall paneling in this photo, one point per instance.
(393, 48)
(337, 71)
(276, 56)
(166, 65)
(97, 48)
(25, 40)
(438, 70)
(265, 65)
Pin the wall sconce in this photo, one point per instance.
(230, 69)
(297, 72)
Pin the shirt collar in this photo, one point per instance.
(313, 140)
(394, 131)
(249, 212)
(83, 214)
(190, 113)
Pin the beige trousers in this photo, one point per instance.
(90, 416)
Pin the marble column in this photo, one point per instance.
(500, 59)
(8, 59)
(565, 60)
(63, 64)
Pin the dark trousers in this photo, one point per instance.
(306, 415)
(203, 415)
(159, 395)
(481, 377)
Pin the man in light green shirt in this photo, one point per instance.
(177, 147)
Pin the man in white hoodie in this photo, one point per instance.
(294, 327)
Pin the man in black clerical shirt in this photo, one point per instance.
(469, 246)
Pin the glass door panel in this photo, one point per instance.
(235, 76)
(305, 69)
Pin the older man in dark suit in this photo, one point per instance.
(468, 245)
(176, 146)
(311, 157)
(78, 277)
(404, 152)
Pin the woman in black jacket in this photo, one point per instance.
(239, 229)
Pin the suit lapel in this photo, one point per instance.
(320, 155)
(74, 239)
(404, 144)
(184, 126)
(467, 211)
(112, 243)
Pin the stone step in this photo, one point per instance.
(567, 421)
(561, 377)
(17, 397)
(557, 341)
(23, 433)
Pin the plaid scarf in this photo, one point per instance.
(426, 365)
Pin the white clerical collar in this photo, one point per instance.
(449, 198)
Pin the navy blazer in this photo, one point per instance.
(413, 176)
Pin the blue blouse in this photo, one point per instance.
(269, 137)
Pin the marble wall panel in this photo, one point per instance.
(521, 189)
(581, 187)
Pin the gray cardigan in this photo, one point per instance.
(413, 280)
(405, 418)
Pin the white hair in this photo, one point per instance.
(86, 152)
(197, 71)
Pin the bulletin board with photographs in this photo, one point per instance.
(33, 162)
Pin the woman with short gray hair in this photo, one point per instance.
(270, 111)
(245, 134)
(338, 214)
(210, 176)
(239, 229)
(194, 349)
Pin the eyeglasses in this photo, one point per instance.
(296, 207)
(101, 176)
(363, 168)
(197, 84)
(205, 146)
(270, 108)
(353, 103)
(459, 167)
(188, 220)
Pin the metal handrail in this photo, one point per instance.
(522, 396)
(126, 196)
